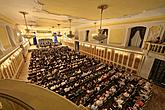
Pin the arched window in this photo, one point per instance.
(87, 36)
(11, 36)
(5, 42)
(137, 36)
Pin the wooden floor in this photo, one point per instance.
(157, 101)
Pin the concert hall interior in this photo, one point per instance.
(82, 54)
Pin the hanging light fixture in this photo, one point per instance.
(26, 35)
(101, 36)
(70, 35)
(24, 15)
(59, 33)
(95, 30)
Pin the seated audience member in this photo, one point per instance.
(87, 81)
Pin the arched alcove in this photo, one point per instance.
(5, 42)
(1, 48)
(87, 36)
(11, 36)
(16, 36)
(137, 36)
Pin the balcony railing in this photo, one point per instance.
(130, 60)
(32, 97)
(155, 47)
(11, 63)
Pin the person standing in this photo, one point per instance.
(35, 39)
(55, 38)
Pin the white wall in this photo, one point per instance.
(127, 27)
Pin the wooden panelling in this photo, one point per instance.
(112, 55)
(121, 58)
(116, 57)
(108, 56)
(155, 47)
(131, 58)
(125, 60)
(10, 67)
(137, 61)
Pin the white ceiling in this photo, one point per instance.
(48, 13)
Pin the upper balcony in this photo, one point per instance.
(155, 48)
(26, 96)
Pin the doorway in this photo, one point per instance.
(157, 74)
(136, 36)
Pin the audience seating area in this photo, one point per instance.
(128, 59)
(87, 81)
(45, 42)
(11, 63)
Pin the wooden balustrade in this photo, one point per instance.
(123, 58)
(155, 47)
(11, 65)
(69, 43)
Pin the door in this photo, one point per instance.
(157, 73)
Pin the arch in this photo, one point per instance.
(134, 30)
(11, 36)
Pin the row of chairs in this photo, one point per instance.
(87, 81)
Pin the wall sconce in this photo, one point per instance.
(120, 52)
(100, 48)
(8, 63)
(87, 45)
(12, 57)
(18, 34)
(109, 50)
(116, 51)
(93, 46)
(125, 53)
(138, 56)
(4, 66)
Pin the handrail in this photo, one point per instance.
(113, 47)
(16, 100)
(107, 46)
(155, 43)
(107, 54)
(36, 96)
(9, 54)
(155, 47)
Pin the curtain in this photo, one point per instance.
(136, 40)
(11, 35)
(141, 30)
(87, 35)
(105, 31)
(142, 34)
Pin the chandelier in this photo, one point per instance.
(101, 36)
(70, 35)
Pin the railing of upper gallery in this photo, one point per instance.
(20, 95)
(155, 47)
(130, 60)
(13, 102)
(69, 43)
(11, 63)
